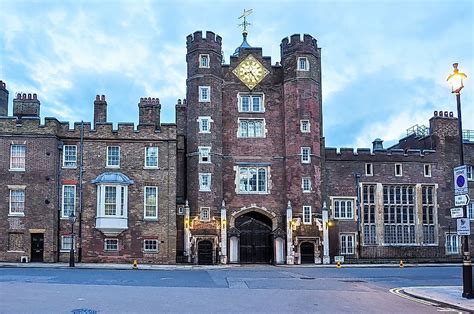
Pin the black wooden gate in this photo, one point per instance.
(307, 253)
(205, 252)
(37, 247)
(255, 238)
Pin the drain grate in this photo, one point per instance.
(84, 311)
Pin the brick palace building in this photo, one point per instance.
(242, 177)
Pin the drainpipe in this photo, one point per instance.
(58, 201)
(81, 171)
(359, 246)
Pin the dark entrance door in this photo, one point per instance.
(37, 247)
(307, 253)
(255, 238)
(205, 252)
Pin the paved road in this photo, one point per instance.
(263, 289)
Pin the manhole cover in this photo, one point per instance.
(84, 311)
(355, 280)
(307, 278)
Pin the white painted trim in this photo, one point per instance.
(200, 88)
(401, 170)
(298, 68)
(264, 128)
(64, 157)
(309, 126)
(208, 61)
(310, 185)
(203, 209)
(200, 148)
(209, 121)
(341, 234)
(11, 157)
(309, 155)
(145, 204)
(305, 222)
(352, 199)
(201, 187)
(107, 158)
(151, 251)
(62, 199)
(111, 239)
(157, 157)
(239, 102)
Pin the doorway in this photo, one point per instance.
(255, 238)
(307, 253)
(205, 252)
(37, 247)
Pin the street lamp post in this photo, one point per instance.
(72, 220)
(456, 80)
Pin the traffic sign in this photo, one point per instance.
(461, 200)
(460, 180)
(464, 226)
(457, 212)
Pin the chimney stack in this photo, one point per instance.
(3, 99)
(149, 112)
(100, 110)
(26, 105)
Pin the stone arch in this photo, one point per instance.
(262, 210)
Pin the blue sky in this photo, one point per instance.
(384, 63)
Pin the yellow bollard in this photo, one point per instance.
(401, 264)
(135, 264)
(338, 264)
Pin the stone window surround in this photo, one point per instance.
(209, 121)
(65, 148)
(350, 199)
(23, 144)
(303, 159)
(309, 184)
(264, 128)
(16, 188)
(427, 170)
(257, 166)
(157, 244)
(262, 102)
(418, 213)
(307, 208)
(68, 249)
(208, 63)
(157, 158)
(107, 158)
(203, 188)
(145, 204)
(201, 90)
(349, 250)
(398, 170)
(447, 240)
(306, 64)
(308, 126)
(203, 212)
(109, 242)
(62, 200)
(201, 155)
(369, 169)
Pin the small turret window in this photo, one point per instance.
(204, 94)
(303, 64)
(204, 61)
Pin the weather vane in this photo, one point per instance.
(245, 23)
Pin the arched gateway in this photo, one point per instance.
(256, 241)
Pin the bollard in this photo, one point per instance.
(135, 264)
(338, 264)
(401, 264)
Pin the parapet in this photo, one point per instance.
(381, 155)
(3, 85)
(295, 44)
(150, 101)
(211, 42)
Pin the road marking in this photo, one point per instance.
(399, 292)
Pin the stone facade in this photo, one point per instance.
(109, 227)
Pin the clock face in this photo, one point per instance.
(250, 72)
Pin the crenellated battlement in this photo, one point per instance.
(366, 154)
(295, 44)
(102, 131)
(3, 85)
(210, 42)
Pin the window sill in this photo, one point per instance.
(16, 170)
(205, 190)
(16, 215)
(204, 132)
(151, 168)
(112, 167)
(253, 193)
(150, 219)
(205, 101)
(307, 192)
(307, 223)
(344, 219)
(65, 250)
(72, 168)
(16, 251)
(150, 252)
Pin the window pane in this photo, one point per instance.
(113, 156)
(245, 103)
(110, 202)
(256, 104)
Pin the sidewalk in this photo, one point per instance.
(445, 295)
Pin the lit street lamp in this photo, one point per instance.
(72, 220)
(456, 80)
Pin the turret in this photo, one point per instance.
(149, 112)
(3, 99)
(26, 105)
(100, 109)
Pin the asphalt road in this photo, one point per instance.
(262, 289)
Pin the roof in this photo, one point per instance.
(112, 177)
(244, 44)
